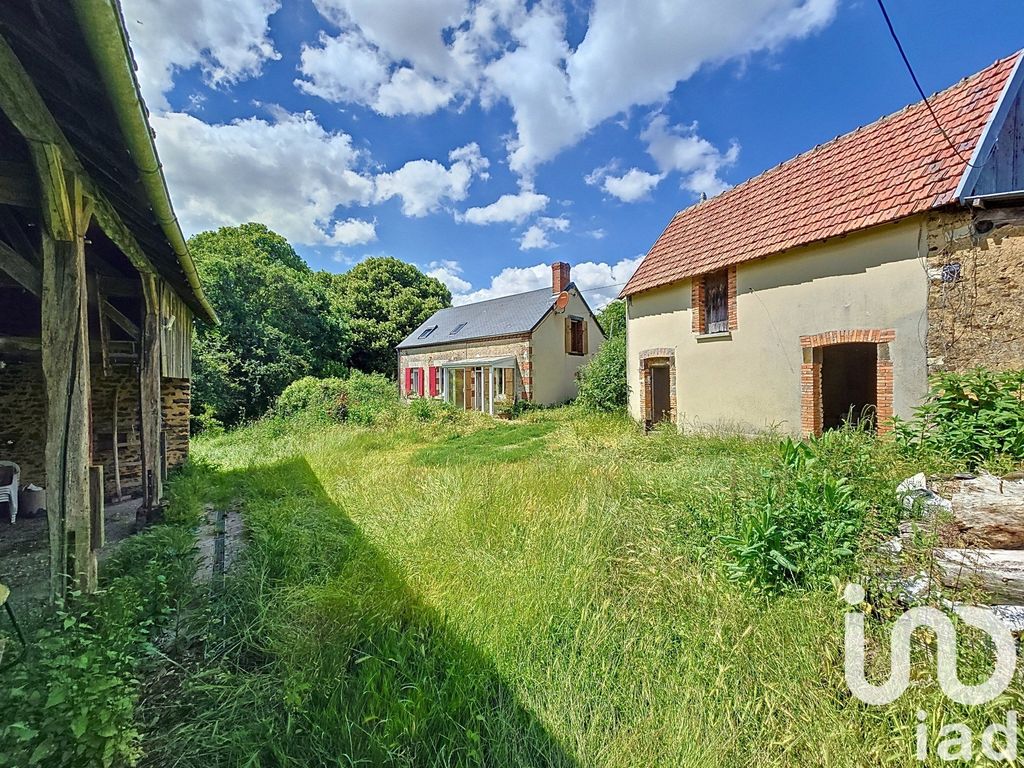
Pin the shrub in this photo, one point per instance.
(371, 397)
(603, 380)
(72, 701)
(317, 398)
(969, 417)
(802, 528)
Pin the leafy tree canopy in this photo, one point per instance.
(278, 323)
(384, 300)
(613, 319)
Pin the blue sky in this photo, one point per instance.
(484, 139)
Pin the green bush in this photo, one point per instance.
(372, 397)
(603, 380)
(969, 418)
(803, 528)
(325, 399)
(72, 701)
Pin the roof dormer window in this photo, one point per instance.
(427, 331)
(457, 328)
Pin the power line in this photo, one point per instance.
(920, 90)
(603, 287)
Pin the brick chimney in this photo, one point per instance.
(559, 277)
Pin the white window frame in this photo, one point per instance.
(414, 381)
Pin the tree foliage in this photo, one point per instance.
(613, 319)
(278, 323)
(384, 300)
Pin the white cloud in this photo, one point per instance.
(450, 273)
(362, 75)
(229, 41)
(630, 187)
(679, 148)
(597, 234)
(353, 232)
(425, 185)
(507, 208)
(633, 53)
(536, 236)
(290, 174)
(599, 282)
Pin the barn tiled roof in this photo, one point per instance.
(895, 167)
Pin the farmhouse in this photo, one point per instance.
(490, 354)
(97, 289)
(832, 285)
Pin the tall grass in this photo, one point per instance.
(402, 602)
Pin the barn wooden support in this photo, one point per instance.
(149, 390)
(65, 352)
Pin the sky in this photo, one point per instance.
(484, 139)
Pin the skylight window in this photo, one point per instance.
(427, 331)
(457, 328)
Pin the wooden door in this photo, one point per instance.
(661, 403)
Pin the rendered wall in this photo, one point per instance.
(750, 381)
(554, 369)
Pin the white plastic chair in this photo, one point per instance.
(10, 474)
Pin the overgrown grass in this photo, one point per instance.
(551, 592)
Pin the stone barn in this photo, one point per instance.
(97, 290)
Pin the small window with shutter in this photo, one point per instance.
(575, 336)
(716, 302)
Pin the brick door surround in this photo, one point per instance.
(811, 422)
(649, 358)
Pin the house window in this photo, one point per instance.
(457, 328)
(415, 381)
(438, 384)
(575, 336)
(716, 302)
(499, 382)
(427, 331)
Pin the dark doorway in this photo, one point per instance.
(849, 373)
(661, 403)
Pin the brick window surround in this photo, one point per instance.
(698, 306)
(650, 358)
(811, 422)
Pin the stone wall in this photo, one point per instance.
(23, 423)
(23, 418)
(517, 347)
(175, 397)
(975, 291)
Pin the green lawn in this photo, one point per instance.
(546, 592)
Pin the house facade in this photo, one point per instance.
(490, 354)
(830, 287)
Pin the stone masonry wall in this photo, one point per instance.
(23, 423)
(23, 419)
(175, 396)
(976, 291)
(518, 347)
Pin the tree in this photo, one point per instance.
(613, 319)
(384, 300)
(277, 323)
(603, 380)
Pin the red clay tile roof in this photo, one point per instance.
(897, 166)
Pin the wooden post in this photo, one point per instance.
(65, 354)
(99, 537)
(149, 395)
(117, 438)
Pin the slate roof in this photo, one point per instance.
(504, 316)
(895, 167)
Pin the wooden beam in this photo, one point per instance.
(119, 319)
(21, 269)
(20, 345)
(16, 236)
(149, 395)
(24, 107)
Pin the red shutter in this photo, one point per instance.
(421, 382)
(433, 383)
(408, 381)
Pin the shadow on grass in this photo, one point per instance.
(498, 444)
(319, 653)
